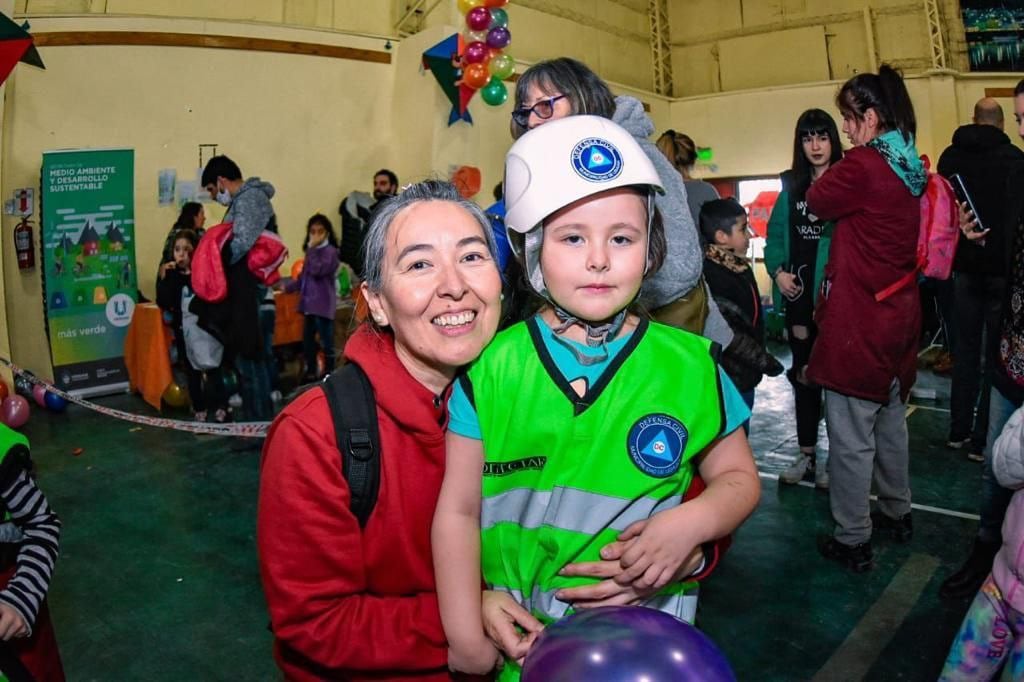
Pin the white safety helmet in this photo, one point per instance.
(561, 162)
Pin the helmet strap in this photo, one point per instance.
(597, 336)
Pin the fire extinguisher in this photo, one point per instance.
(23, 245)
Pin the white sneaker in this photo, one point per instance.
(796, 471)
(821, 478)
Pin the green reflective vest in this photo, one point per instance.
(564, 474)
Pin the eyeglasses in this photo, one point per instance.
(545, 109)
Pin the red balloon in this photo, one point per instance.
(14, 411)
(475, 53)
(476, 76)
(39, 395)
(495, 3)
(478, 19)
(4, 391)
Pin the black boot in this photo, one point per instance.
(966, 581)
(901, 529)
(857, 558)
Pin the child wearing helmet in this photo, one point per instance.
(574, 435)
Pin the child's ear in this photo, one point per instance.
(721, 237)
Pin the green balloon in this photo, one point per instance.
(499, 17)
(502, 66)
(494, 93)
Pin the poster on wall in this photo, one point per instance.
(995, 34)
(88, 260)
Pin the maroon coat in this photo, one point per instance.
(862, 343)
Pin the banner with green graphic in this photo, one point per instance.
(88, 261)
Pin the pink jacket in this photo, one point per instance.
(1008, 465)
(263, 260)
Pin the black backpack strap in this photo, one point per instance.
(354, 413)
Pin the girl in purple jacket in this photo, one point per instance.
(319, 297)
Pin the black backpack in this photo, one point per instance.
(354, 414)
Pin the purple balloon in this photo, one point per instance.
(499, 37)
(14, 411)
(475, 52)
(39, 395)
(478, 18)
(625, 644)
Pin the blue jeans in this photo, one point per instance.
(268, 318)
(255, 389)
(314, 326)
(994, 497)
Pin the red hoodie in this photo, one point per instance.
(344, 603)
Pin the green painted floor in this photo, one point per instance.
(157, 578)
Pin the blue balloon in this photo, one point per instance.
(55, 403)
(625, 644)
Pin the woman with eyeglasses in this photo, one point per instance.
(795, 256)
(675, 295)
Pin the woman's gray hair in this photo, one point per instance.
(375, 246)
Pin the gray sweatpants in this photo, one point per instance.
(867, 442)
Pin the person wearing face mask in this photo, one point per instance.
(250, 213)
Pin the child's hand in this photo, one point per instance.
(11, 623)
(656, 550)
(502, 614)
(478, 659)
(165, 268)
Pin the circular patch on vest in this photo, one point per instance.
(596, 160)
(656, 444)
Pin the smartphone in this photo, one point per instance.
(964, 197)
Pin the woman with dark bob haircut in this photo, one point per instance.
(675, 295)
(795, 256)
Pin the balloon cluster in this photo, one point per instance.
(14, 409)
(485, 62)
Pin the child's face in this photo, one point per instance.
(594, 253)
(739, 240)
(317, 233)
(182, 254)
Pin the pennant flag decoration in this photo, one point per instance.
(444, 60)
(16, 46)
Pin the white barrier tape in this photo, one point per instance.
(243, 429)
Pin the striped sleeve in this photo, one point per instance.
(38, 551)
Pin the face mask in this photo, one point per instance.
(223, 198)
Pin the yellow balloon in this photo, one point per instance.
(466, 5)
(175, 395)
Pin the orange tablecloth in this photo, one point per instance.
(146, 353)
(146, 348)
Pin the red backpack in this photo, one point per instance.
(938, 236)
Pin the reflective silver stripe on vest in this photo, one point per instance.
(569, 509)
(683, 605)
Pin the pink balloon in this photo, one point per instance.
(475, 52)
(478, 18)
(14, 411)
(39, 395)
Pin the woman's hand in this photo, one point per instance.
(609, 591)
(786, 281)
(11, 623)
(503, 618)
(969, 223)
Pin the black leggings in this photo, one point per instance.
(806, 397)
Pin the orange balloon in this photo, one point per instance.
(476, 76)
(297, 268)
(495, 3)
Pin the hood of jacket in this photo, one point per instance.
(254, 183)
(630, 114)
(976, 138)
(408, 402)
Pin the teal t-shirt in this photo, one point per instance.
(463, 419)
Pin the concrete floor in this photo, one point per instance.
(157, 578)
